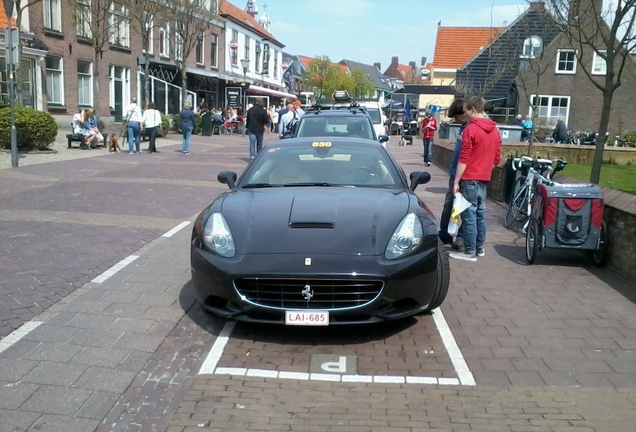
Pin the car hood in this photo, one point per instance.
(314, 220)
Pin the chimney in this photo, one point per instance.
(423, 61)
(394, 61)
(537, 6)
(412, 65)
(377, 65)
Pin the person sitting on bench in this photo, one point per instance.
(79, 128)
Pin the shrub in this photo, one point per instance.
(630, 139)
(165, 123)
(175, 123)
(36, 130)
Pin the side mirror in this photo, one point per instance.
(228, 178)
(383, 138)
(418, 178)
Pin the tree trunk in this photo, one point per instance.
(184, 86)
(147, 78)
(595, 176)
(17, 71)
(96, 85)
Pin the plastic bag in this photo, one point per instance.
(459, 205)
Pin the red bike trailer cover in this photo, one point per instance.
(574, 197)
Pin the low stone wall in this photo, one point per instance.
(619, 213)
(577, 154)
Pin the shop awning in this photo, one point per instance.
(254, 89)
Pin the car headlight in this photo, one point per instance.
(217, 236)
(406, 238)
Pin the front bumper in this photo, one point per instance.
(408, 284)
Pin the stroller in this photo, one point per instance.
(408, 132)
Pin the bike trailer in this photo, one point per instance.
(572, 216)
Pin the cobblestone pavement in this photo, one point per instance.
(551, 346)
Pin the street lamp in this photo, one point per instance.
(8, 7)
(245, 63)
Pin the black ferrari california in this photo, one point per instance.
(319, 231)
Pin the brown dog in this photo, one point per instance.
(113, 143)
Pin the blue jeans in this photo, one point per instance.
(428, 149)
(474, 217)
(134, 132)
(256, 144)
(187, 133)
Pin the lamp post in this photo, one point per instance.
(8, 7)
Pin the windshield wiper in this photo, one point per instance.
(309, 184)
(258, 185)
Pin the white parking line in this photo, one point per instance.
(176, 229)
(465, 376)
(114, 269)
(18, 334)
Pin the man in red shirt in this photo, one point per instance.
(429, 126)
(481, 151)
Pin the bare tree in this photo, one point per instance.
(20, 7)
(534, 62)
(145, 17)
(191, 23)
(608, 34)
(96, 22)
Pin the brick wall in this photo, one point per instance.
(619, 213)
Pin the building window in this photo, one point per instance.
(257, 49)
(84, 18)
(599, 64)
(54, 80)
(164, 41)
(234, 52)
(214, 47)
(247, 47)
(199, 49)
(85, 82)
(275, 64)
(214, 6)
(178, 45)
(53, 14)
(551, 108)
(119, 31)
(148, 39)
(566, 62)
(532, 47)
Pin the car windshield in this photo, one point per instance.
(321, 163)
(337, 126)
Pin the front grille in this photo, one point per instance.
(326, 294)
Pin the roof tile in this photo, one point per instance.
(456, 45)
(228, 9)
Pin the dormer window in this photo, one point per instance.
(532, 47)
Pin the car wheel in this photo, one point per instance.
(443, 279)
(599, 256)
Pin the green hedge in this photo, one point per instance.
(175, 123)
(36, 130)
(165, 123)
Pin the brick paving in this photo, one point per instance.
(552, 346)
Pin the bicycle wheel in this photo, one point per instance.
(533, 239)
(517, 208)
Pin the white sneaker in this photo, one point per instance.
(465, 256)
(481, 252)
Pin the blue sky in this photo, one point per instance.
(372, 31)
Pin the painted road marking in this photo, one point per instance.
(465, 376)
(176, 229)
(114, 269)
(18, 334)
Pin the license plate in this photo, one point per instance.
(305, 318)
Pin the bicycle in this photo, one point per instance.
(533, 172)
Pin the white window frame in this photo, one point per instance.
(151, 35)
(246, 51)
(200, 44)
(597, 60)
(552, 120)
(120, 29)
(214, 51)
(558, 60)
(530, 45)
(125, 96)
(80, 76)
(52, 10)
(178, 46)
(60, 76)
(84, 19)
(164, 35)
(234, 53)
(275, 64)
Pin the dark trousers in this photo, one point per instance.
(428, 149)
(152, 137)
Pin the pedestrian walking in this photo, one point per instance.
(288, 122)
(480, 152)
(152, 122)
(274, 119)
(133, 125)
(429, 126)
(187, 124)
(456, 112)
(256, 122)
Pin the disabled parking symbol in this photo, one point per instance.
(333, 364)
